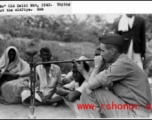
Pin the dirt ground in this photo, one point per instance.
(42, 112)
(19, 111)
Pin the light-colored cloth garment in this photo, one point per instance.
(19, 66)
(11, 91)
(73, 105)
(75, 86)
(136, 57)
(125, 22)
(69, 76)
(47, 82)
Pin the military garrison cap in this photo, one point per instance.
(113, 39)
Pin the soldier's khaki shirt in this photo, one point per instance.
(130, 82)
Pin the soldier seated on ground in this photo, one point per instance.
(130, 84)
(71, 92)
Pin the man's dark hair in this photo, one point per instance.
(45, 49)
(86, 67)
(119, 48)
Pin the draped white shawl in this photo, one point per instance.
(18, 66)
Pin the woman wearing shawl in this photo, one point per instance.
(12, 75)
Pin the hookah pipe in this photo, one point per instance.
(31, 54)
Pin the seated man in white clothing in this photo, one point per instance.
(48, 79)
(71, 92)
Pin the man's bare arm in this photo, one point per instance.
(62, 91)
(72, 96)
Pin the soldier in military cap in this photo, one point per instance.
(130, 84)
